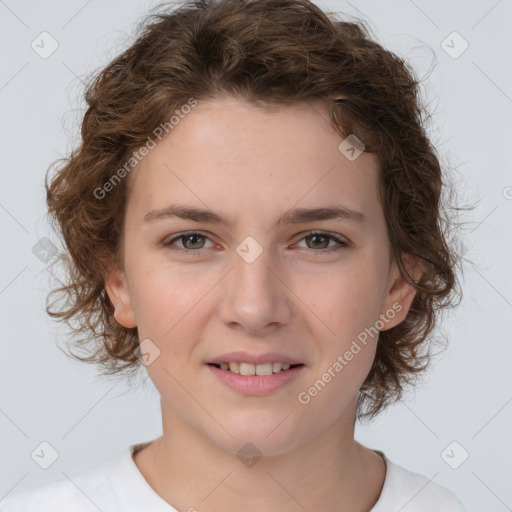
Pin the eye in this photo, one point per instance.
(320, 239)
(191, 241)
(194, 241)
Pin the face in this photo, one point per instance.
(266, 284)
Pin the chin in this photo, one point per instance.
(258, 436)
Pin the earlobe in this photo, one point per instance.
(118, 292)
(400, 292)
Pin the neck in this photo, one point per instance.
(329, 472)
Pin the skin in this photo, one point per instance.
(296, 298)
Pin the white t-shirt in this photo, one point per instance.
(119, 486)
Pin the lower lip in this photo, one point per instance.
(256, 384)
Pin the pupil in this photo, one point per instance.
(189, 237)
(317, 236)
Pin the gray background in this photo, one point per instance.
(466, 396)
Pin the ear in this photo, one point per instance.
(400, 293)
(119, 294)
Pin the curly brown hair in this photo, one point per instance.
(271, 53)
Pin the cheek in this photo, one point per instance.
(173, 310)
(169, 309)
(344, 303)
(166, 304)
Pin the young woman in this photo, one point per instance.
(253, 217)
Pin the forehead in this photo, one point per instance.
(228, 155)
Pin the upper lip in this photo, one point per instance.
(246, 357)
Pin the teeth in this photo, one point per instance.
(254, 369)
(264, 369)
(234, 367)
(247, 369)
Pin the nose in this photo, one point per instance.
(255, 297)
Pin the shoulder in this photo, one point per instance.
(86, 491)
(414, 492)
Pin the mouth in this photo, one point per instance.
(249, 369)
(255, 379)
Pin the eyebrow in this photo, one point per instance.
(293, 216)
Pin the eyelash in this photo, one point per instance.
(341, 244)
